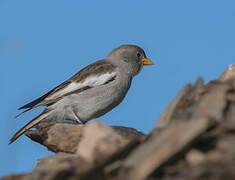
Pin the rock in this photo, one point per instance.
(13, 177)
(99, 145)
(65, 137)
(161, 148)
(213, 102)
(61, 137)
(129, 133)
(195, 157)
(99, 142)
(228, 73)
(166, 115)
(63, 166)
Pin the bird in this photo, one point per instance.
(91, 92)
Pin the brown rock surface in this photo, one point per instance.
(193, 139)
(13, 177)
(99, 142)
(65, 137)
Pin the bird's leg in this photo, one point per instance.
(69, 108)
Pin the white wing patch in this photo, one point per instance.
(90, 81)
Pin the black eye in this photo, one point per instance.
(138, 55)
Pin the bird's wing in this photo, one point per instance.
(96, 74)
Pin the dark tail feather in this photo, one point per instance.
(28, 126)
(22, 112)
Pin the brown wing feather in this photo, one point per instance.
(96, 68)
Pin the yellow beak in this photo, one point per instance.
(146, 61)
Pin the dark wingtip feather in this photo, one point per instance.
(22, 107)
(11, 141)
(15, 137)
(31, 104)
(22, 112)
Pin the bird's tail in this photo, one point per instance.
(28, 126)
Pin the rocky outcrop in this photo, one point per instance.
(65, 137)
(193, 139)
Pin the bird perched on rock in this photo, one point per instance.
(91, 92)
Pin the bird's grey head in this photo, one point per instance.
(130, 56)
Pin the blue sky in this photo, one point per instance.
(43, 43)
